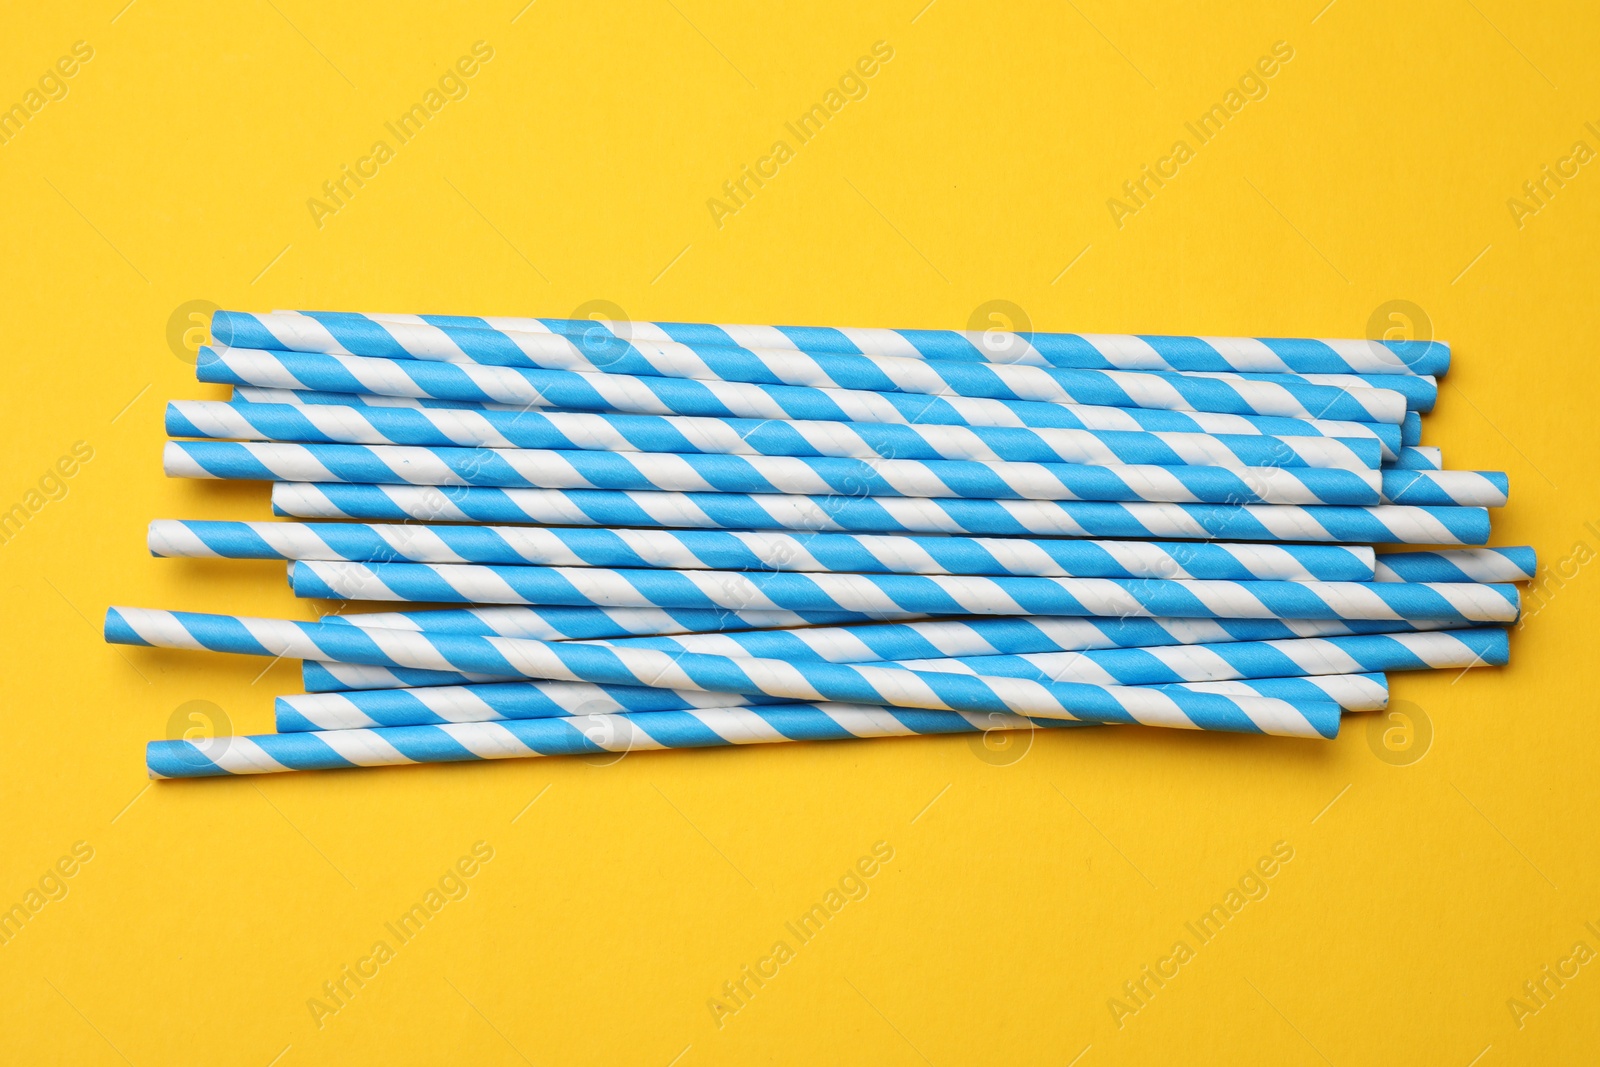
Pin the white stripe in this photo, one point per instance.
(1246, 354)
(329, 711)
(486, 740)
(757, 336)
(243, 756)
(739, 726)
(881, 342)
(364, 748)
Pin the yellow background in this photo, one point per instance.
(977, 168)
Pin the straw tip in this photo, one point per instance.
(222, 327)
(118, 631)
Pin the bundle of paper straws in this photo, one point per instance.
(698, 535)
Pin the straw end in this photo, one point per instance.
(118, 631)
(222, 327)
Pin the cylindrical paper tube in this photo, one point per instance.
(842, 644)
(1449, 649)
(1418, 458)
(1459, 565)
(1480, 489)
(717, 550)
(322, 423)
(572, 661)
(539, 700)
(1057, 416)
(1383, 524)
(1276, 394)
(579, 735)
(1123, 351)
(595, 391)
(647, 471)
(933, 594)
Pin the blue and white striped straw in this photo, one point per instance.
(1382, 524)
(1059, 416)
(489, 703)
(1161, 665)
(579, 735)
(539, 700)
(693, 472)
(572, 661)
(647, 471)
(329, 424)
(718, 550)
(932, 594)
(1109, 351)
(1459, 565)
(1418, 458)
(836, 644)
(1442, 650)
(1276, 394)
(1421, 392)
(594, 391)
(1485, 489)
(595, 623)
(976, 636)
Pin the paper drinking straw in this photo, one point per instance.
(1421, 392)
(629, 471)
(329, 424)
(574, 661)
(1230, 657)
(1441, 650)
(493, 702)
(716, 550)
(933, 594)
(859, 642)
(1384, 524)
(592, 623)
(250, 394)
(849, 644)
(1060, 416)
(1160, 665)
(1280, 394)
(593, 391)
(1459, 565)
(1411, 429)
(1418, 458)
(1352, 692)
(588, 734)
(588, 623)
(533, 700)
(649, 355)
(1125, 351)
(323, 676)
(1465, 488)
(1144, 666)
